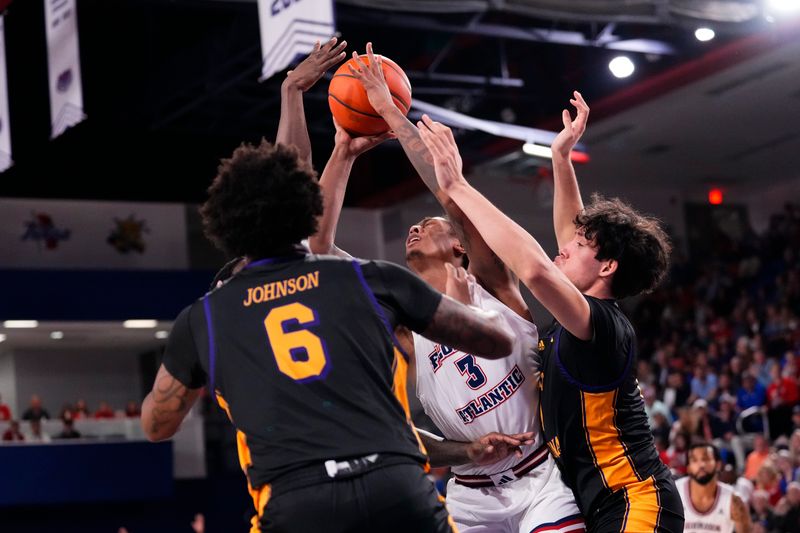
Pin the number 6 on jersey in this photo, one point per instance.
(287, 345)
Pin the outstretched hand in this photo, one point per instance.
(442, 146)
(374, 82)
(494, 447)
(566, 140)
(355, 146)
(312, 68)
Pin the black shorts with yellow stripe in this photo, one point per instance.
(649, 506)
(393, 496)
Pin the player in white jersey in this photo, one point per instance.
(709, 505)
(466, 397)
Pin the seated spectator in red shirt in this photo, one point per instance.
(5, 412)
(68, 431)
(132, 410)
(769, 481)
(104, 411)
(80, 411)
(35, 411)
(13, 433)
(782, 395)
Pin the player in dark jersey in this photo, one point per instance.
(299, 351)
(592, 410)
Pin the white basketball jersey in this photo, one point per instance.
(468, 397)
(716, 520)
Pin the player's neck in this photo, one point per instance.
(433, 272)
(702, 493)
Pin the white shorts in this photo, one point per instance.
(539, 502)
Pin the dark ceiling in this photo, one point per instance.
(171, 86)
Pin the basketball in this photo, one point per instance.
(349, 103)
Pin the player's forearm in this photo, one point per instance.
(512, 244)
(292, 129)
(567, 202)
(445, 452)
(334, 185)
(469, 329)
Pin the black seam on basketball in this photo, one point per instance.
(351, 108)
(395, 96)
(401, 74)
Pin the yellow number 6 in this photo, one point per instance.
(284, 344)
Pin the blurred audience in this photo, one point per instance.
(35, 411)
(13, 434)
(5, 411)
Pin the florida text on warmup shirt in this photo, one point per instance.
(300, 353)
(592, 410)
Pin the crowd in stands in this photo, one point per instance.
(718, 361)
(36, 413)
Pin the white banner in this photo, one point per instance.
(63, 61)
(61, 234)
(5, 128)
(291, 27)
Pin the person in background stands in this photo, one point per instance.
(68, 431)
(35, 411)
(13, 434)
(5, 411)
(104, 411)
(132, 410)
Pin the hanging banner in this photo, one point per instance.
(5, 128)
(290, 28)
(64, 68)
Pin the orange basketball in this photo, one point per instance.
(349, 103)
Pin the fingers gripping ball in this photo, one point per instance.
(349, 103)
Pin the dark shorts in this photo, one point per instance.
(650, 506)
(394, 497)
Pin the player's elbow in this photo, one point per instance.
(534, 274)
(156, 432)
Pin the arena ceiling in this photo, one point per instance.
(170, 86)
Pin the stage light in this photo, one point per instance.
(621, 67)
(704, 34)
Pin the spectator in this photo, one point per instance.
(786, 470)
(677, 392)
(768, 480)
(762, 514)
(726, 389)
(782, 396)
(67, 412)
(653, 406)
(68, 431)
(36, 434)
(761, 368)
(5, 411)
(81, 411)
(676, 454)
(661, 428)
(751, 394)
(789, 520)
(35, 411)
(757, 457)
(104, 411)
(704, 384)
(132, 410)
(13, 434)
(795, 418)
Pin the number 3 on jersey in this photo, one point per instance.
(467, 365)
(286, 346)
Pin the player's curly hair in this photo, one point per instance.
(264, 200)
(637, 242)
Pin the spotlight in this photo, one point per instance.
(56, 335)
(704, 34)
(621, 67)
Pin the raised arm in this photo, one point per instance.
(567, 201)
(515, 246)
(334, 184)
(166, 406)
(483, 264)
(292, 129)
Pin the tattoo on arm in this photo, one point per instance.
(417, 153)
(740, 515)
(459, 327)
(171, 402)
